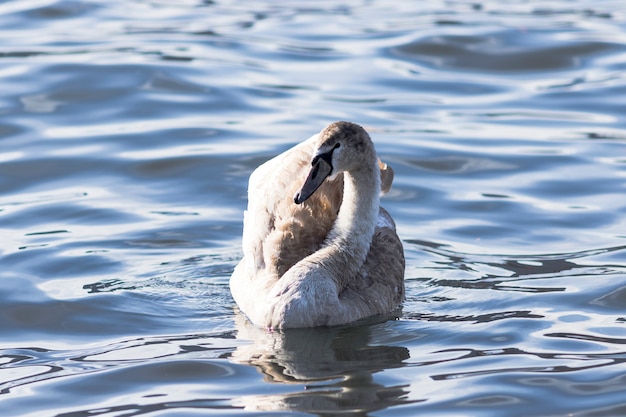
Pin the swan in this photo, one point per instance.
(318, 250)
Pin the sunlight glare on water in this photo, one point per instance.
(128, 132)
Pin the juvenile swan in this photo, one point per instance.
(318, 248)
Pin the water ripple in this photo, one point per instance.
(128, 131)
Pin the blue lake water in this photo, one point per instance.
(128, 130)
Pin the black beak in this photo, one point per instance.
(320, 170)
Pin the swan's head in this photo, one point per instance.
(342, 146)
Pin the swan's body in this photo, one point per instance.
(330, 255)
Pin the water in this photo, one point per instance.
(127, 134)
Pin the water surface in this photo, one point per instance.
(128, 131)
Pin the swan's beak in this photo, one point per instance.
(319, 171)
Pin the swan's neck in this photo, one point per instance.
(349, 240)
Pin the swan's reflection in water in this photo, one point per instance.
(335, 367)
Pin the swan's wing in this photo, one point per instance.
(263, 195)
(385, 261)
(277, 232)
(379, 287)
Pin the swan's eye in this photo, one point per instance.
(337, 145)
